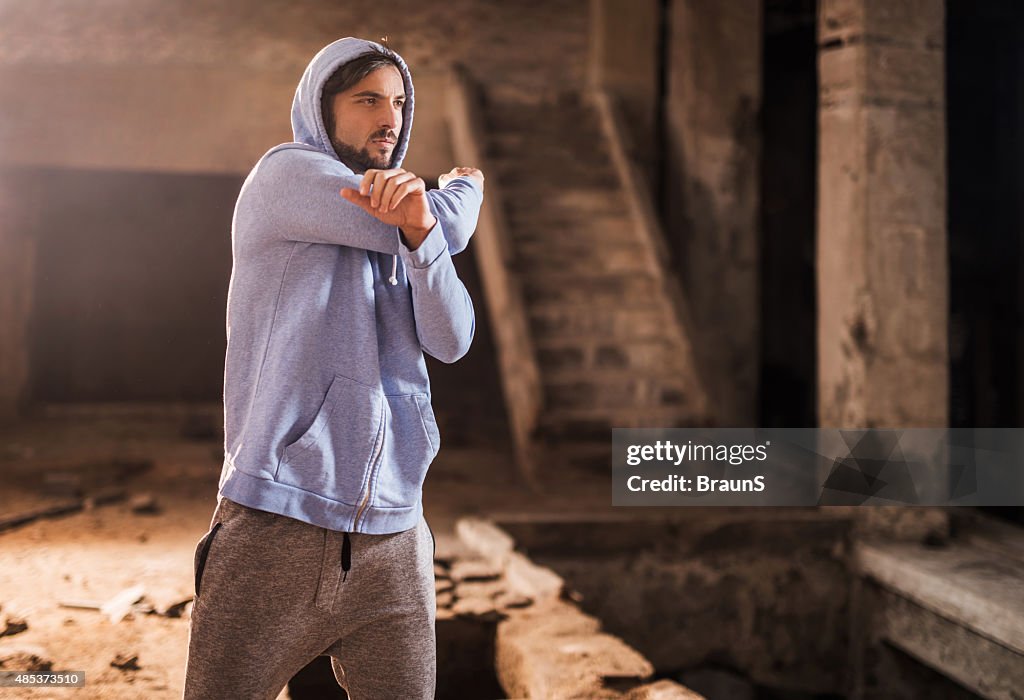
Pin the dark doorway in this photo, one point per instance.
(985, 121)
(789, 121)
(131, 283)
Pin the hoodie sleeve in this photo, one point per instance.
(445, 321)
(457, 207)
(300, 192)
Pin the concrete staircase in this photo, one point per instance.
(608, 343)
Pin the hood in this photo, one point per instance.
(307, 120)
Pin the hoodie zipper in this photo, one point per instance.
(373, 469)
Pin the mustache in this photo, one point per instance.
(386, 134)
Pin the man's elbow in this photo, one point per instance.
(455, 348)
(452, 352)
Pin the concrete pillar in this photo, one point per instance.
(882, 268)
(712, 202)
(17, 265)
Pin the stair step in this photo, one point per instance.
(602, 391)
(602, 327)
(573, 234)
(575, 245)
(541, 150)
(565, 217)
(544, 198)
(586, 174)
(554, 319)
(583, 454)
(608, 354)
(558, 262)
(582, 424)
(588, 288)
(566, 123)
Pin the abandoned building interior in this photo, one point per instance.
(771, 213)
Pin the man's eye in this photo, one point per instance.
(399, 102)
(369, 100)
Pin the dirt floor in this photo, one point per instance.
(173, 455)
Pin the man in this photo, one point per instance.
(342, 279)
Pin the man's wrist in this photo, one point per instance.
(412, 237)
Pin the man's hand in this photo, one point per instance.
(472, 173)
(396, 197)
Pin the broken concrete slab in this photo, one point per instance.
(975, 587)
(555, 650)
(720, 683)
(485, 590)
(164, 605)
(528, 579)
(121, 603)
(497, 549)
(511, 600)
(662, 690)
(484, 537)
(475, 570)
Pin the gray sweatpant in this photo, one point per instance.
(273, 593)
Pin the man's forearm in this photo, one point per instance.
(457, 207)
(445, 320)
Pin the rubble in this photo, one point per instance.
(475, 570)
(13, 625)
(126, 662)
(144, 503)
(25, 657)
(173, 607)
(121, 604)
(66, 507)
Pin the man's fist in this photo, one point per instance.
(473, 173)
(395, 197)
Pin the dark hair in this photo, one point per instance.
(348, 75)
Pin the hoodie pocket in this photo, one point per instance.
(202, 553)
(333, 456)
(410, 444)
(429, 422)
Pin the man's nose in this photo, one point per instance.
(391, 118)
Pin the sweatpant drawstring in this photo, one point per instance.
(346, 555)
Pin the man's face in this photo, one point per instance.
(368, 119)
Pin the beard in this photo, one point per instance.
(360, 159)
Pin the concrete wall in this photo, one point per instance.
(714, 94)
(114, 97)
(625, 59)
(130, 282)
(17, 266)
(766, 595)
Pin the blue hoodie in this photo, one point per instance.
(327, 412)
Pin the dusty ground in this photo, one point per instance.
(93, 554)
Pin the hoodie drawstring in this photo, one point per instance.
(346, 555)
(393, 279)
